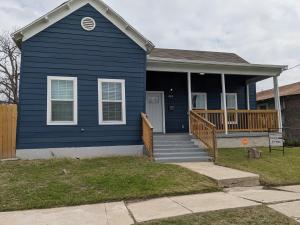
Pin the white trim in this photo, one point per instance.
(189, 80)
(201, 93)
(88, 28)
(163, 106)
(71, 6)
(193, 66)
(49, 102)
(277, 101)
(100, 110)
(224, 102)
(248, 96)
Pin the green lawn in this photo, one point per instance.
(274, 169)
(260, 215)
(43, 184)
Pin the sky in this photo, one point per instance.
(261, 31)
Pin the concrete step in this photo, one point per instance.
(172, 142)
(170, 150)
(180, 154)
(172, 138)
(224, 177)
(185, 146)
(183, 159)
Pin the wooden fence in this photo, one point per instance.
(147, 135)
(242, 120)
(8, 128)
(205, 131)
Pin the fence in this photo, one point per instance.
(8, 128)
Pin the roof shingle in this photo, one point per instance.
(220, 57)
(291, 89)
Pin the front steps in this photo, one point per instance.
(172, 148)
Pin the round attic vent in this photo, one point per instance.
(88, 23)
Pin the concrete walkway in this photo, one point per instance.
(225, 177)
(99, 214)
(182, 205)
(119, 213)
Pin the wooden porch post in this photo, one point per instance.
(224, 103)
(248, 96)
(277, 100)
(189, 78)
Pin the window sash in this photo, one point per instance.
(230, 107)
(122, 100)
(51, 101)
(202, 95)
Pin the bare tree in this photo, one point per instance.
(10, 57)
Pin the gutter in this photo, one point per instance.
(197, 62)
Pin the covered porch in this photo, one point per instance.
(207, 98)
(172, 96)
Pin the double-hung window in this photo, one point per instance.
(61, 100)
(199, 100)
(231, 101)
(112, 107)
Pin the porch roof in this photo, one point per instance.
(169, 60)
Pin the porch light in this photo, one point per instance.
(202, 74)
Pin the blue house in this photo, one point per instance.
(87, 75)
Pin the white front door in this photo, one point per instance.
(155, 110)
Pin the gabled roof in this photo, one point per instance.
(287, 90)
(221, 57)
(69, 7)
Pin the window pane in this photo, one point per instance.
(231, 101)
(62, 89)
(62, 111)
(199, 101)
(112, 111)
(111, 91)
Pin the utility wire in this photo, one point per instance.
(293, 67)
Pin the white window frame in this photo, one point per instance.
(236, 101)
(235, 121)
(200, 93)
(49, 102)
(100, 107)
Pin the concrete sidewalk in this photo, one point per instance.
(182, 205)
(119, 213)
(99, 214)
(225, 177)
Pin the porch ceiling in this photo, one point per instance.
(194, 66)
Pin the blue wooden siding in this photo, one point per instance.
(177, 119)
(211, 84)
(65, 49)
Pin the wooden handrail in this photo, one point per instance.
(242, 120)
(147, 135)
(205, 131)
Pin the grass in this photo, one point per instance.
(43, 184)
(260, 215)
(273, 168)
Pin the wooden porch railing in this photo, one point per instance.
(147, 135)
(242, 120)
(205, 131)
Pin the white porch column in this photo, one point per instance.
(189, 78)
(248, 96)
(224, 103)
(277, 100)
